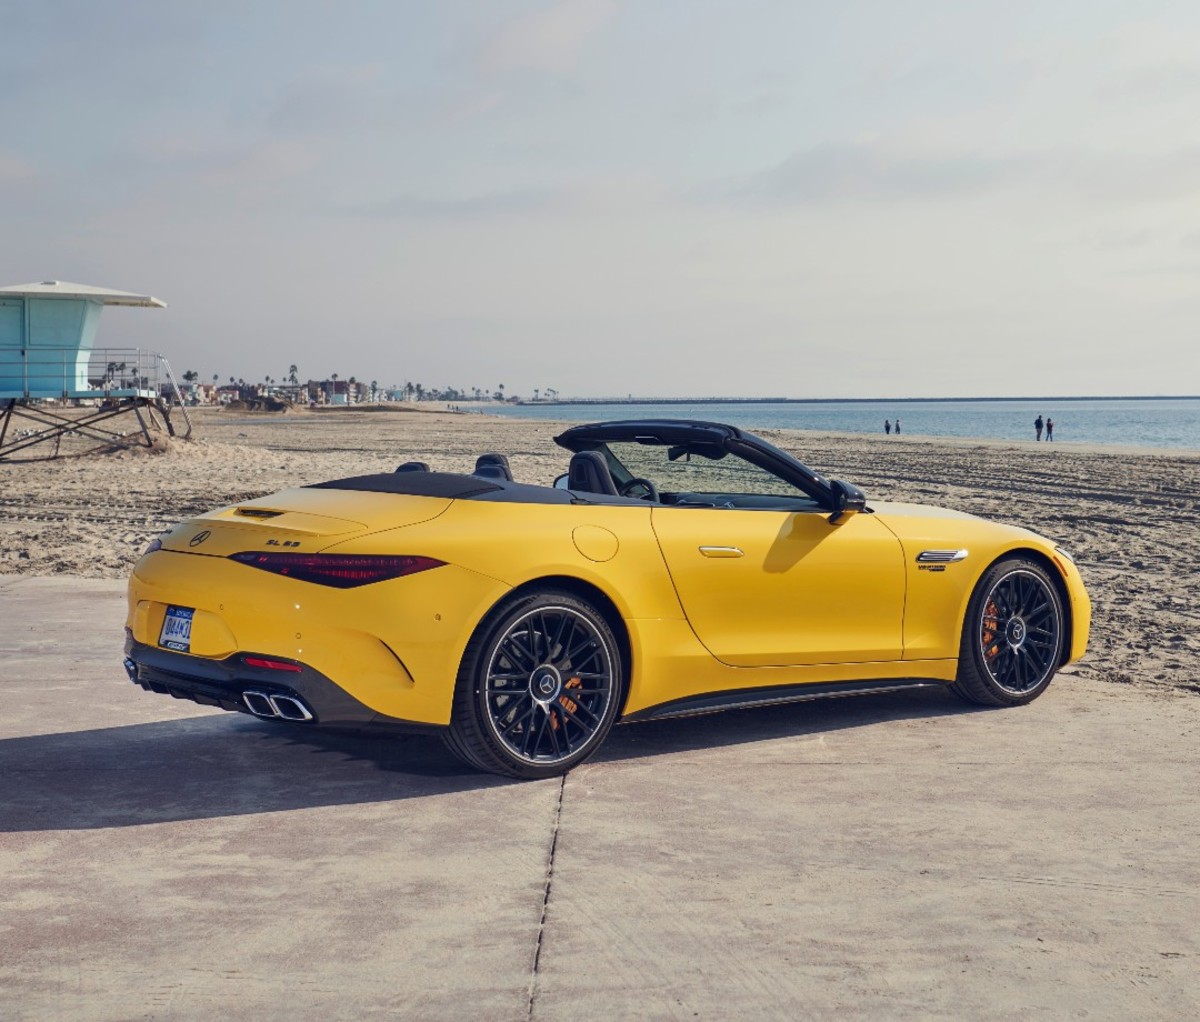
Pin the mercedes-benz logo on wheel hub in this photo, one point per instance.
(1016, 631)
(544, 683)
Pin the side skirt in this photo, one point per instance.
(774, 696)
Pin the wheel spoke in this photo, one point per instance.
(556, 644)
(552, 729)
(543, 634)
(519, 718)
(570, 715)
(527, 656)
(1035, 668)
(586, 641)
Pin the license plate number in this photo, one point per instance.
(177, 629)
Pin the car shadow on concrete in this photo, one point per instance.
(227, 765)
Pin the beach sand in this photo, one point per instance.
(1131, 518)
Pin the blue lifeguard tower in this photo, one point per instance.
(52, 373)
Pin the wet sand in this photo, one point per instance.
(1131, 517)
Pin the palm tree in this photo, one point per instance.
(292, 371)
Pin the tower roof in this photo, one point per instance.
(64, 289)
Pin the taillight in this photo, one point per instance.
(271, 665)
(344, 571)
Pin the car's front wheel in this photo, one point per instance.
(1012, 638)
(539, 687)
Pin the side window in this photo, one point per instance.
(695, 479)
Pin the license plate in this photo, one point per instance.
(177, 629)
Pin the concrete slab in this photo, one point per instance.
(892, 857)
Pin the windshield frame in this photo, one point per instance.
(730, 439)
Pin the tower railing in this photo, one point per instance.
(68, 393)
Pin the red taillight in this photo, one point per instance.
(344, 571)
(271, 665)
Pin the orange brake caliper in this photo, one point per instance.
(567, 704)
(991, 617)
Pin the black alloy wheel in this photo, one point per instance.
(1012, 640)
(539, 688)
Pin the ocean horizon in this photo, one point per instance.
(1172, 423)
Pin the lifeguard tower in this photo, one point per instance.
(52, 374)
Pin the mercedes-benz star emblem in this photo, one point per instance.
(199, 538)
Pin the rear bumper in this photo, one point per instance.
(222, 683)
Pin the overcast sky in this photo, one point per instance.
(663, 197)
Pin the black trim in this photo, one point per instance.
(525, 493)
(774, 696)
(221, 683)
(453, 487)
(414, 484)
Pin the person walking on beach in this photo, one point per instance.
(1049, 429)
(897, 425)
(1037, 425)
(887, 426)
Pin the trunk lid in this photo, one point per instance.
(304, 520)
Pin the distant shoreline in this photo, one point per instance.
(844, 400)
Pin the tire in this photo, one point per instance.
(540, 685)
(1012, 636)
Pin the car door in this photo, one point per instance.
(780, 588)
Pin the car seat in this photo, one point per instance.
(588, 473)
(493, 466)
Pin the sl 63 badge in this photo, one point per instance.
(283, 542)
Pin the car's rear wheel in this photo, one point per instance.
(539, 687)
(1012, 637)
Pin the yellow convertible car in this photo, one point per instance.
(677, 567)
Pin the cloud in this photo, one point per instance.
(331, 99)
(13, 170)
(881, 173)
(501, 203)
(833, 172)
(550, 39)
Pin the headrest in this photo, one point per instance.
(588, 472)
(493, 466)
(413, 466)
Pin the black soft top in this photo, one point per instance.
(451, 486)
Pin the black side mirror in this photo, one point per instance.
(848, 500)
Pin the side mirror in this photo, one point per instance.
(561, 482)
(848, 500)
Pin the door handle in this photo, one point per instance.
(722, 551)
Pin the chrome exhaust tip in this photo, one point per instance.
(259, 703)
(131, 669)
(290, 708)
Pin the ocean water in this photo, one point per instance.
(1167, 423)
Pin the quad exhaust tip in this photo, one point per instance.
(268, 706)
